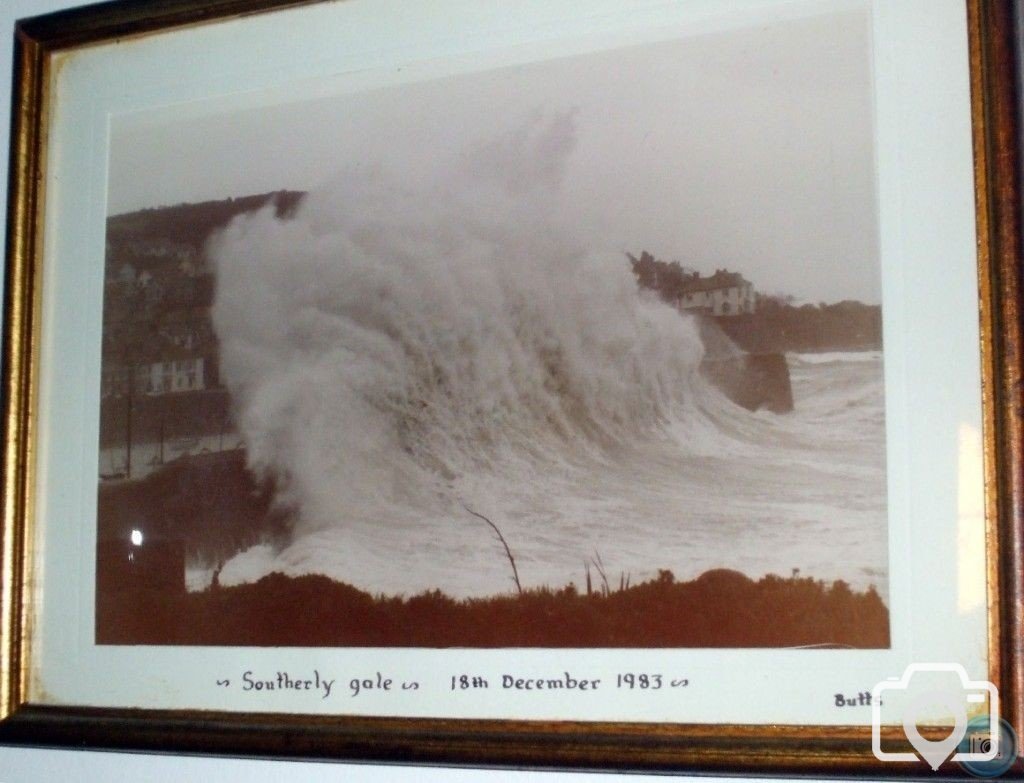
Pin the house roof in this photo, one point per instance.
(720, 279)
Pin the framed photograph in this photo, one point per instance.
(628, 386)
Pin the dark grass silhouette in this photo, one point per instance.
(721, 608)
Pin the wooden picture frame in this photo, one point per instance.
(31, 714)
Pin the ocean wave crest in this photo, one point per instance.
(392, 337)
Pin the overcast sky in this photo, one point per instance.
(749, 149)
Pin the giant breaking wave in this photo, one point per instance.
(406, 346)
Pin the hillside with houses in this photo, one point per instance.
(757, 322)
(161, 393)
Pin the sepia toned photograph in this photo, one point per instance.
(585, 352)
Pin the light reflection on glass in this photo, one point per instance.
(970, 521)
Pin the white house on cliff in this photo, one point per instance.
(723, 293)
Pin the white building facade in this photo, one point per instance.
(722, 294)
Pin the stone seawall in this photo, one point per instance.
(752, 380)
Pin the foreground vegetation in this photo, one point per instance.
(718, 609)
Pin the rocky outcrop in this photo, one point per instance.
(752, 380)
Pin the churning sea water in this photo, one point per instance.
(399, 352)
(756, 492)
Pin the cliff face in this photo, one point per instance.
(777, 327)
(753, 381)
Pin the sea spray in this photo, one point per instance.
(401, 346)
(386, 341)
